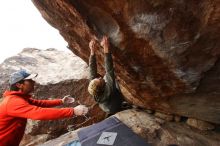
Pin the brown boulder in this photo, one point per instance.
(165, 52)
(202, 125)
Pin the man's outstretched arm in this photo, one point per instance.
(45, 103)
(110, 75)
(18, 107)
(92, 61)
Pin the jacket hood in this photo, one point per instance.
(18, 93)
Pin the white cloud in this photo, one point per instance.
(22, 26)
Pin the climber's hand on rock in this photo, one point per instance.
(68, 100)
(105, 44)
(92, 46)
(80, 110)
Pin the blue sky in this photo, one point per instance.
(22, 26)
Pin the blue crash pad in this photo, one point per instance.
(110, 132)
(74, 143)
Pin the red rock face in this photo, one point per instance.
(165, 52)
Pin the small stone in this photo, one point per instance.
(149, 111)
(134, 106)
(160, 121)
(201, 125)
(164, 116)
(177, 118)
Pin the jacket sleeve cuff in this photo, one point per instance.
(73, 112)
(61, 102)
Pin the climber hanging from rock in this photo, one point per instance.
(105, 90)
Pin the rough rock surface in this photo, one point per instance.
(60, 73)
(166, 53)
(156, 133)
(164, 116)
(52, 65)
(202, 125)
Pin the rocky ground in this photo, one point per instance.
(156, 131)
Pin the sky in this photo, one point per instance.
(22, 26)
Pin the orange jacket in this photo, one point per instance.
(16, 108)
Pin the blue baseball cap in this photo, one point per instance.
(20, 75)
